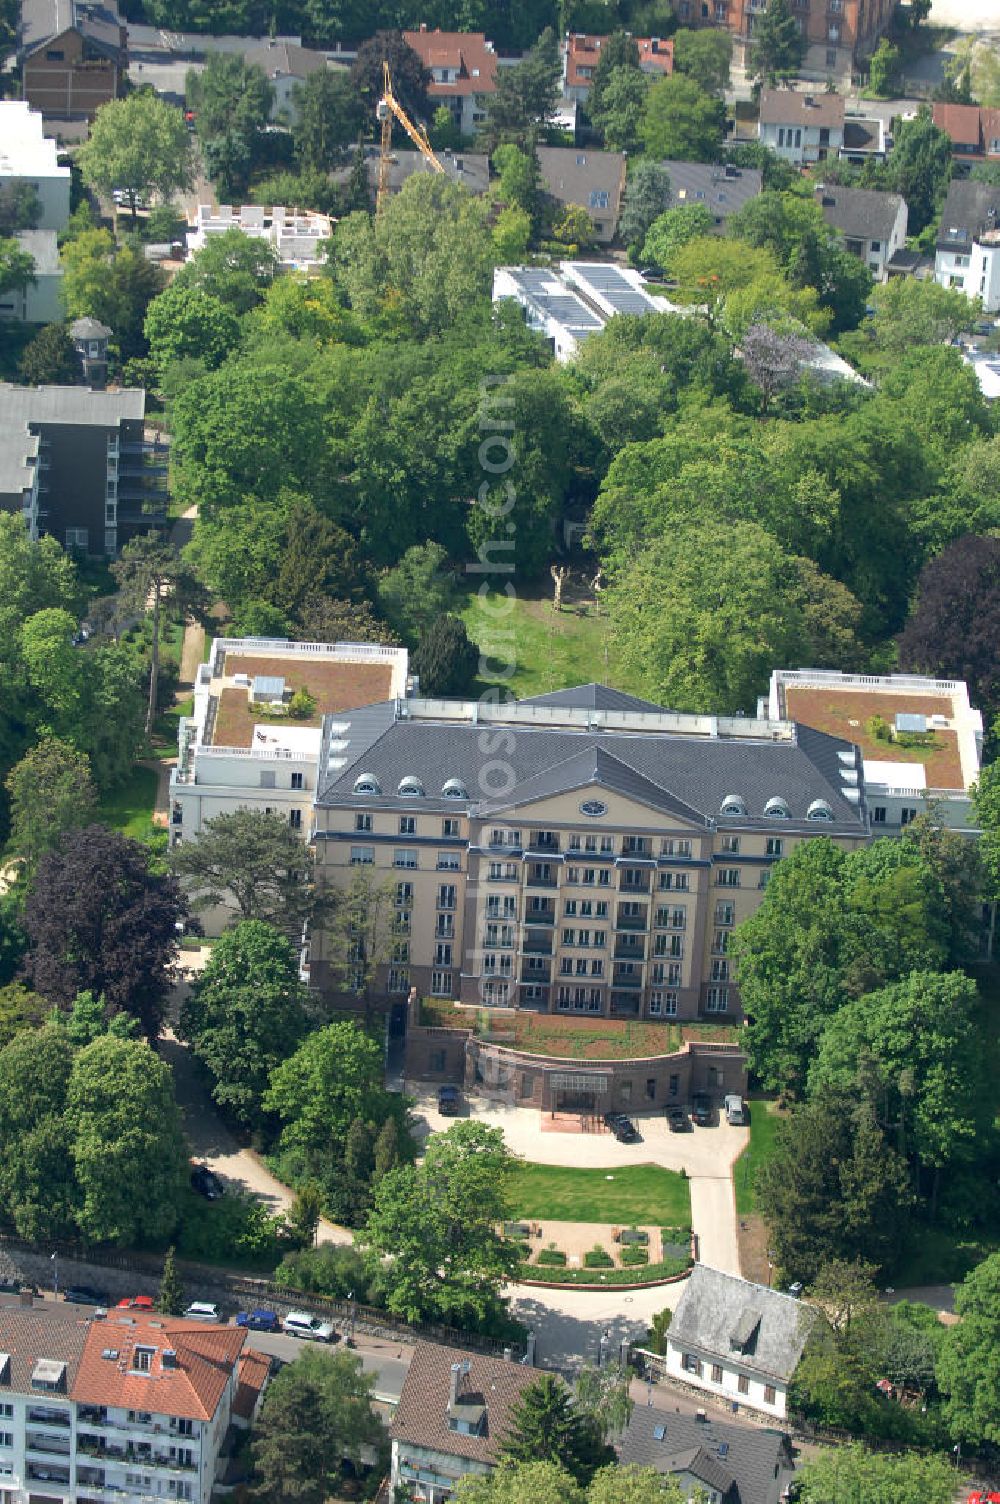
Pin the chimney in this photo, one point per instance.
(456, 1369)
(529, 1355)
(25, 1297)
(508, 1354)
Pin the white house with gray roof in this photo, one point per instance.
(873, 224)
(738, 1341)
(967, 255)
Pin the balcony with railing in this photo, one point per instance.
(542, 914)
(536, 944)
(41, 1415)
(542, 876)
(627, 949)
(49, 1446)
(629, 979)
(635, 922)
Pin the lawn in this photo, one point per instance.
(550, 650)
(638, 1195)
(764, 1121)
(129, 808)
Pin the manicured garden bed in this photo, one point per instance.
(650, 1274)
(629, 1195)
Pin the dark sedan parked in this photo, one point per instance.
(206, 1183)
(678, 1120)
(701, 1109)
(84, 1295)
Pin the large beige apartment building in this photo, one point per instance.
(582, 852)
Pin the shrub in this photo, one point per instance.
(598, 1258)
(237, 1229)
(633, 1254)
(332, 1269)
(302, 704)
(552, 1257)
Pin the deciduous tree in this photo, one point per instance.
(150, 572)
(432, 1230)
(127, 1146)
(50, 358)
(99, 918)
(232, 101)
(705, 56)
(51, 790)
(185, 323)
(235, 268)
(410, 79)
(954, 626)
(647, 196)
(779, 45)
(871, 1477)
(673, 229)
(245, 1014)
(138, 144)
(327, 119)
(919, 167)
(622, 109)
(682, 122)
(968, 1369)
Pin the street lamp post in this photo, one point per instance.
(55, 1274)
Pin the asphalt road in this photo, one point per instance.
(388, 1361)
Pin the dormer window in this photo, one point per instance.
(733, 804)
(366, 783)
(777, 809)
(819, 810)
(454, 788)
(142, 1359)
(410, 787)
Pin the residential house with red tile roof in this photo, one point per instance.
(463, 67)
(137, 1405)
(974, 131)
(582, 53)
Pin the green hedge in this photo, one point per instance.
(598, 1259)
(553, 1258)
(635, 1255)
(650, 1274)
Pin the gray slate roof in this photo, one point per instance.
(791, 107)
(88, 328)
(593, 697)
(861, 213)
(18, 449)
(284, 59)
(720, 1315)
(41, 20)
(723, 190)
(967, 209)
(757, 1461)
(75, 405)
(572, 173)
(681, 775)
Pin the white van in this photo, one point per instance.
(202, 1310)
(301, 1324)
(735, 1113)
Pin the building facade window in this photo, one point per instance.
(407, 825)
(728, 877)
(441, 984)
(363, 822)
(403, 856)
(362, 856)
(770, 1394)
(743, 1384)
(717, 1000)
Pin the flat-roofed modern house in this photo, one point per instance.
(597, 867)
(920, 739)
(453, 1416)
(738, 1341)
(873, 224)
(100, 480)
(73, 56)
(463, 67)
(569, 303)
(721, 188)
(591, 180)
(967, 255)
(296, 236)
(243, 748)
(27, 155)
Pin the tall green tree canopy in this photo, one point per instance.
(139, 144)
(433, 1228)
(245, 1014)
(968, 1369)
(682, 122)
(546, 1426)
(919, 167)
(253, 861)
(50, 789)
(779, 45)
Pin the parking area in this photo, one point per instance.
(706, 1155)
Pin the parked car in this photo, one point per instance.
(206, 1183)
(678, 1120)
(612, 1119)
(735, 1111)
(85, 1295)
(448, 1101)
(701, 1109)
(258, 1321)
(202, 1310)
(136, 1303)
(626, 1132)
(301, 1324)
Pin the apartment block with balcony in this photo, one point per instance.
(584, 852)
(101, 480)
(131, 1408)
(246, 745)
(839, 34)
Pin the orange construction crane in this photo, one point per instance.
(387, 107)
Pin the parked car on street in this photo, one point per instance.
(302, 1324)
(207, 1183)
(701, 1109)
(259, 1321)
(202, 1310)
(85, 1295)
(678, 1120)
